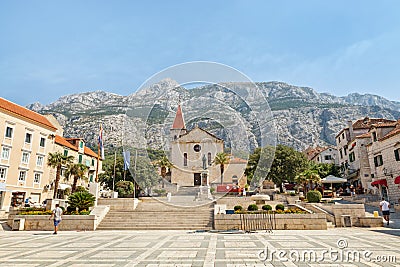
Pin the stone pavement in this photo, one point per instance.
(183, 248)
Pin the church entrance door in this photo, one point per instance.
(197, 179)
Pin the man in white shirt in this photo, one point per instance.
(57, 213)
(385, 208)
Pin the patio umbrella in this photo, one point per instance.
(330, 179)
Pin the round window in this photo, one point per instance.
(197, 148)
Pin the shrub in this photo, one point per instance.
(314, 196)
(124, 188)
(267, 207)
(80, 189)
(280, 207)
(238, 208)
(252, 207)
(212, 190)
(292, 194)
(81, 200)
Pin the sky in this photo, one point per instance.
(53, 48)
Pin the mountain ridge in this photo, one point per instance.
(303, 117)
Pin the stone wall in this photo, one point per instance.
(282, 221)
(355, 211)
(125, 204)
(68, 223)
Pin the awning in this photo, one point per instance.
(63, 186)
(397, 180)
(380, 182)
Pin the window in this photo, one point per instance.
(197, 148)
(80, 159)
(341, 153)
(345, 151)
(87, 163)
(328, 157)
(42, 141)
(3, 173)
(36, 178)
(28, 138)
(378, 161)
(80, 144)
(352, 157)
(91, 178)
(92, 162)
(374, 137)
(184, 159)
(25, 157)
(5, 153)
(209, 158)
(22, 176)
(9, 132)
(339, 139)
(397, 154)
(39, 161)
(343, 136)
(65, 152)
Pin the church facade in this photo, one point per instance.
(192, 153)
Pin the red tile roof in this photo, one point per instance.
(392, 133)
(62, 141)
(366, 135)
(179, 123)
(366, 123)
(90, 152)
(25, 113)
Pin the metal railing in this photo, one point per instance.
(258, 221)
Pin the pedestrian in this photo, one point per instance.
(385, 208)
(244, 192)
(57, 214)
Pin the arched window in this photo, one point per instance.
(184, 159)
(209, 158)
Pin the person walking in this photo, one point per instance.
(57, 214)
(385, 208)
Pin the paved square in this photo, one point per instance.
(185, 248)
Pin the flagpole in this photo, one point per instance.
(115, 163)
(98, 159)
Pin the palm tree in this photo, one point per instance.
(221, 159)
(308, 176)
(164, 164)
(57, 160)
(78, 171)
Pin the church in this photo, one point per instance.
(192, 154)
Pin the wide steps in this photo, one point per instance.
(153, 215)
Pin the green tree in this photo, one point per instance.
(286, 165)
(57, 160)
(106, 177)
(82, 200)
(256, 171)
(77, 171)
(124, 188)
(221, 159)
(146, 174)
(165, 166)
(309, 176)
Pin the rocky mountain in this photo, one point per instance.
(302, 116)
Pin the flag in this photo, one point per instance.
(101, 144)
(127, 159)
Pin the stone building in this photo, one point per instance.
(26, 139)
(328, 155)
(384, 159)
(351, 143)
(193, 152)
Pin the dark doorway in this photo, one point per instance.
(197, 179)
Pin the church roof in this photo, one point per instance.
(179, 123)
(197, 128)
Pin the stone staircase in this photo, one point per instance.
(151, 214)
